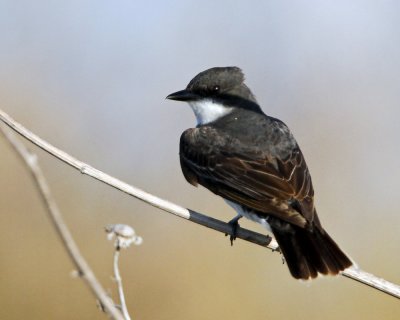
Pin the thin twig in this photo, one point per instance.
(372, 281)
(62, 230)
(124, 236)
(244, 234)
(118, 280)
(153, 200)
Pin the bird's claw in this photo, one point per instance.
(235, 226)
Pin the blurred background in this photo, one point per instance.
(91, 77)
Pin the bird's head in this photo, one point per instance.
(215, 93)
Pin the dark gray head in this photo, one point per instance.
(215, 92)
(214, 83)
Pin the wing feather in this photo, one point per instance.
(259, 181)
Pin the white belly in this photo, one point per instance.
(249, 215)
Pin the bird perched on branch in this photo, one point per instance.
(254, 163)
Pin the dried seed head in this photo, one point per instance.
(124, 235)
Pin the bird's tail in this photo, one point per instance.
(309, 252)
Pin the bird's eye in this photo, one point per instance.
(216, 88)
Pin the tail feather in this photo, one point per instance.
(309, 252)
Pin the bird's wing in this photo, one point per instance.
(266, 184)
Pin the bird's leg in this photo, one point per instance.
(235, 225)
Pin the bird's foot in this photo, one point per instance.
(235, 225)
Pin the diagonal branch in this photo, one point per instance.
(54, 212)
(244, 234)
(136, 192)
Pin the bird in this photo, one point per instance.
(254, 163)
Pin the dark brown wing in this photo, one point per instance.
(254, 178)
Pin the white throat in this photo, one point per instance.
(207, 111)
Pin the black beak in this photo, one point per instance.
(183, 95)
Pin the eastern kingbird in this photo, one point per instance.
(254, 163)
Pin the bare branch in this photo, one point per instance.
(118, 280)
(55, 215)
(244, 234)
(372, 281)
(124, 237)
(136, 192)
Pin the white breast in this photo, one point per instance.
(207, 111)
